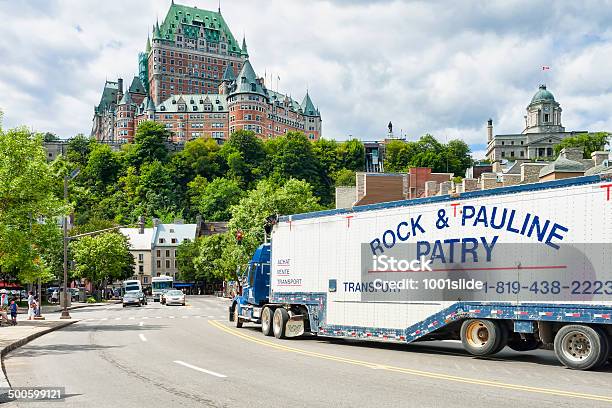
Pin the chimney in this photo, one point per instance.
(119, 89)
(490, 129)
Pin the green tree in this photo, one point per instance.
(249, 215)
(149, 144)
(292, 156)
(186, 253)
(351, 155)
(50, 137)
(26, 195)
(102, 259)
(399, 155)
(102, 169)
(78, 149)
(345, 177)
(156, 189)
(245, 156)
(213, 200)
(588, 142)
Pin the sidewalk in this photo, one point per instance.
(12, 337)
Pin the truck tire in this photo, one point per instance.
(237, 318)
(580, 347)
(503, 339)
(279, 322)
(605, 347)
(482, 337)
(267, 316)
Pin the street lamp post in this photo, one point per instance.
(65, 313)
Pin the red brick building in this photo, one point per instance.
(197, 80)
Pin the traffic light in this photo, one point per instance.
(239, 237)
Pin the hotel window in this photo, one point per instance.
(167, 264)
(158, 265)
(167, 253)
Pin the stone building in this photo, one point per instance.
(542, 132)
(196, 79)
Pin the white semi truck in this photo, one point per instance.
(521, 266)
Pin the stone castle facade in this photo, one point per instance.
(198, 81)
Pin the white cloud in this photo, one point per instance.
(430, 67)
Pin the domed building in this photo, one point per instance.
(543, 130)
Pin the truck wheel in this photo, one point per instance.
(580, 347)
(503, 338)
(279, 322)
(519, 344)
(237, 319)
(267, 315)
(605, 344)
(481, 337)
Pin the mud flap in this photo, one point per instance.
(295, 326)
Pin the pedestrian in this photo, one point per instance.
(13, 309)
(4, 305)
(54, 296)
(31, 305)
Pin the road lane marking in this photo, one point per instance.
(418, 373)
(142, 337)
(132, 318)
(145, 317)
(203, 370)
(171, 317)
(140, 324)
(106, 318)
(117, 318)
(185, 317)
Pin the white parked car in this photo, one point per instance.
(175, 297)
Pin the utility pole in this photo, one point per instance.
(65, 313)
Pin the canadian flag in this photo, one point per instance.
(545, 68)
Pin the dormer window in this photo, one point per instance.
(195, 107)
(253, 87)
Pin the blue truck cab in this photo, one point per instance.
(255, 289)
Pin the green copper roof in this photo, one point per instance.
(244, 52)
(136, 86)
(543, 95)
(191, 19)
(276, 97)
(228, 75)
(246, 81)
(109, 96)
(308, 106)
(148, 47)
(562, 165)
(127, 99)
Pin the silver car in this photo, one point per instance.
(175, 297)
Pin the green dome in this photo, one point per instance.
(542, 95)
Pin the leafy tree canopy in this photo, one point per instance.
(588, 142)
(26, 199)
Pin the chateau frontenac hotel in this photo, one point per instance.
(197, 80)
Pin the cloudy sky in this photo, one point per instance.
(439, 67)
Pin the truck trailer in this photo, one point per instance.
(523, 266)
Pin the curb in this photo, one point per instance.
(4, 382)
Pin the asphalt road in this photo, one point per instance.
(192, 357)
